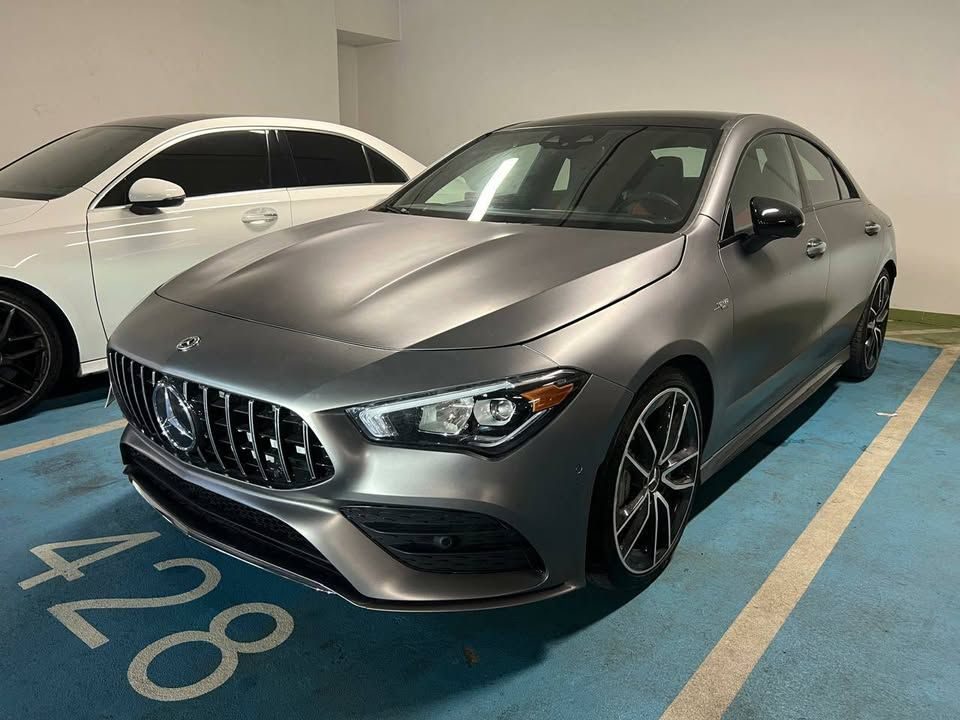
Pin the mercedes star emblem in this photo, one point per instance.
(188, 343)
(175, 417)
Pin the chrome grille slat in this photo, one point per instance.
(141, 418)
(154, 425)
(274, 456)
(255, 446)
(200, 438)
(306, 448)
(281, 455)
(210, 437)
(116, 383)
(233, 444)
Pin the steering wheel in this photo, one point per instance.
(662, 204)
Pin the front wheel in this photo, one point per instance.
(646, 486)
(871, 331)
(31, 354)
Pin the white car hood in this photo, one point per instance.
(14, 209)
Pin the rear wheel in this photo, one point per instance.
(871, 331)
(31, 354)
(646, 487)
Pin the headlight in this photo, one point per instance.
(489, 418)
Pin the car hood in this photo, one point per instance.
(14, 209)
(406, 282)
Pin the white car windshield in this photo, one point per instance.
(60, 167)
(606, 177)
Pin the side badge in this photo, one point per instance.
(722, 304)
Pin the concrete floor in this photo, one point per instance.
(875, 635)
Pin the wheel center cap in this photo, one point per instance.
(654, 482)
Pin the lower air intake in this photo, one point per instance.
(445, 541)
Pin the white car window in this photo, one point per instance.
(209, 164)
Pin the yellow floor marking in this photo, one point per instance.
(61, 439)
(723, 672)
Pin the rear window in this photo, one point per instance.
(384, 171)
(60, 167)
(323, 159)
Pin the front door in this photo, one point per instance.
(778, 292)
(226, 177)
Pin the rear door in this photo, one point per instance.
(853, 237)
(778, 291)
(226, 175)
(333, 174)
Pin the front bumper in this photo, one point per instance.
(540, 492)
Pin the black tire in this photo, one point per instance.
(868, 338)
(607, 566)
(31, 354)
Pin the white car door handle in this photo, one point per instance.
(260, 216)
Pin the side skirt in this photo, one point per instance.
(775, 414)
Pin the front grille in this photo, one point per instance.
(237, 436)
(232, 523)
(445, 541)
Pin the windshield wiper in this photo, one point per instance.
(394, 209)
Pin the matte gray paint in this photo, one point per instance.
(354, 309)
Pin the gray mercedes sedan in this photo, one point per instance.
(513, 374)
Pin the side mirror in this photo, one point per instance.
(772, 219)
(147, 195)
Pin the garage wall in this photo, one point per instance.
(347, 76)
(878, 80)
(65, 65)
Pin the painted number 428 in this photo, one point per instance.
(68, 613)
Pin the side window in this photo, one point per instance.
(818, 173)
(220, 162)
(384, 171)
(846, 188)
(323, 159)
(766, 170)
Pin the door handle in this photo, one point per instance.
(871, 228)
(816, 247)
(259, 216)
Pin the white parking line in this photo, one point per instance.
(726, 668)
(61, 439)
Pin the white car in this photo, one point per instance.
(94, 221)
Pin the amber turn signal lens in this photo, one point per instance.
(547, 396)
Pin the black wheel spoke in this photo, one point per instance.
(24, 356)
(7, 322)
(23, 353)
(16, 386)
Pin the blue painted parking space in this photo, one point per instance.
(590, 654)
(56, 416)
(878, 632)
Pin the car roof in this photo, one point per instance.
(639, 118)
(163, 122)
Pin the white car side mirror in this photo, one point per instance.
(148, 194)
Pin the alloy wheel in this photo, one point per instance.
(24, 357)
(877, 315)
(655, 480)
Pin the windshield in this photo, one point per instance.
(60, 167)
(618, 178)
